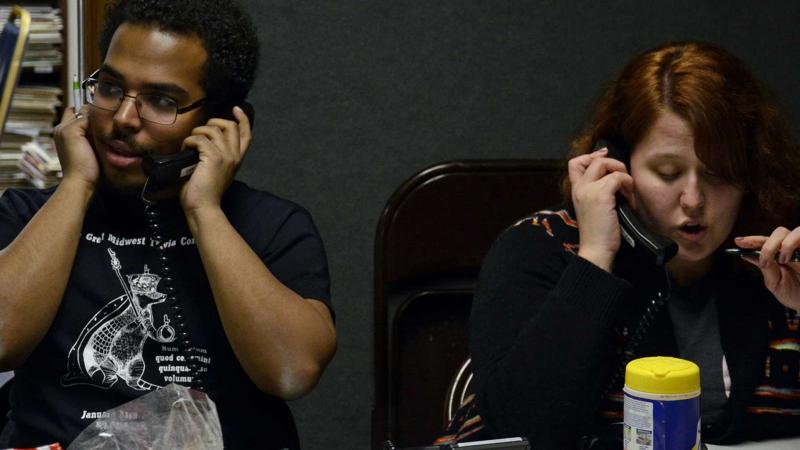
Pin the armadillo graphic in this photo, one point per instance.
(110, 346)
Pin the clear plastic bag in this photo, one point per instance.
(174, 417)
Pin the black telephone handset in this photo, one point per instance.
(166, 170)
(656, 248)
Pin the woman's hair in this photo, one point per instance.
(738, 132)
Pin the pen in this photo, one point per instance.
(76, 93)
(754, 254)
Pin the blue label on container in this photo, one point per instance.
(661, 424)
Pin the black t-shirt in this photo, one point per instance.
(116, 337)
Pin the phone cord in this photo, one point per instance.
(648, 317)
(655, 306)
(181, 335)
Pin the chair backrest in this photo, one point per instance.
(429, 245)
(460, 387)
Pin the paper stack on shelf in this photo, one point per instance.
(40, 163)
(33, 110)
(30, 123)
(10, 176)
(34, 105)
(45, 41)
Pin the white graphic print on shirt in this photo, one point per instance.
(110, 346)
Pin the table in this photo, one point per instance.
(778, 444)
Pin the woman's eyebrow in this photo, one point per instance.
(665, 156)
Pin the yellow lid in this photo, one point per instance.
(662, 375)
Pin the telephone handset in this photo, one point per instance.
(656, 248)
(165, 170)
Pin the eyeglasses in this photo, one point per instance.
(155, 108)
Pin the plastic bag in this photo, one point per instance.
(174, 417)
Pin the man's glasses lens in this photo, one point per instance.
(151, 107)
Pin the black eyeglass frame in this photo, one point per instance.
(178, 109)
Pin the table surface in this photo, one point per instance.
(779, 444)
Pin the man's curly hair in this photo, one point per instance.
(226, 32)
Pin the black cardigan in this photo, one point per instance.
(547, 329)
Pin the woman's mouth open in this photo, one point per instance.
(692, 232)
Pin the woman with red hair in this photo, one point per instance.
(562, 302)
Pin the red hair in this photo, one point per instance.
(738, 133)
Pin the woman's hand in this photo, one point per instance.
(596, 179)
(781, 276)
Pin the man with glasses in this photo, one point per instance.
(112, 287)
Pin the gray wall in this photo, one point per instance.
(353, 97)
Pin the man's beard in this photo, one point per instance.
(122, 189)
(107, 182)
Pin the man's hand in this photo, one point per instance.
(781, 276)
(222, 145)
(32, 280)
(75, 151)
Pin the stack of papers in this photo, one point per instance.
(40, 164)
(33, 110)
(10, 175)
(45, 41)
(29, 125)
(34, 105)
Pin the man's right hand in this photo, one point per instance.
(74, 146)
(28, 304)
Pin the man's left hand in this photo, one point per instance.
(222, 145)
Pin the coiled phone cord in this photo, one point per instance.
(648, 318)
(649, 315)
(181, 334)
